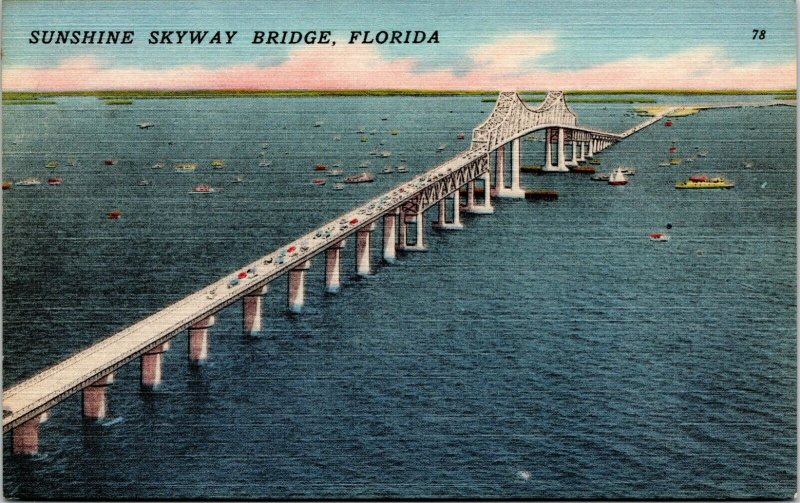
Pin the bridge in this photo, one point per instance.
(401, 209)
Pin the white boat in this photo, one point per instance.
(442, 146)
(360, 178)
(702, 153)
(318, 124)
(145, 182)
(338, 186)
(617, 178)
(385, 153)
(402, 168)
(265, 145)
(158, 165)
(664, 164)
(388, 169)
(145, 125)
(264, 164)
(237, 179)
(28, 182)
(748, 164)
(337, 137)
(335, 172)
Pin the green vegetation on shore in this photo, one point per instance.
(28, 102)
(586, 100)
(119, 102)
(245, 93)
(791, 96)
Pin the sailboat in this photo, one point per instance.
(617, 178)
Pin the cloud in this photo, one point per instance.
(506, 63)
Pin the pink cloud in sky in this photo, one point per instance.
(506, 63)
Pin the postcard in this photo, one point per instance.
(399, 250)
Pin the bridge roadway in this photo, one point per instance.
(37, 394)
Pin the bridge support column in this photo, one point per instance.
(516, 158)
(363, 250)
(485, 208)
(561, 162)
(456, 222)
(25, 437)
(333, 267)
(390, 237)
(548, 149)
(590, 147)
(442, 220)
(95, 404)
(151, 366)
(470, 195)
(500, 171)
(297, 287)
(251, 317)
(402, 231)
(574, 160)
(582, 151)
(198, 334)
(419, 244)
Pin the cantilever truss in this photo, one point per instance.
(447, 184)
(512, 118)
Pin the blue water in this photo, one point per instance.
(549, 350)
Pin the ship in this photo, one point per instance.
(704, 182)
(360, 178)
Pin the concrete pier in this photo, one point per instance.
(470, 195)
(500, 171)
(297, 287)
(198, 337)
(151, 366)
(333, 267)
(419, 243)
(251, 312)
(363, 250)
(454, 224)
(574, 160)
(561, 164)
(516, 159)
(95, 403)
(402, 231)
(548, 152)
(25, 437)
(486, 208)
(390, 237)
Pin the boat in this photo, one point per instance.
(658, 236)
(54, 181)
(7, 184)
(627, 171)
(203, 189)
(673, 149)
(748, 164)
(388, 169)
(364, 139)
(237, 179)
(402, 168)
(702, 153)
(144, 182)
(594, 161)
(264, 164)
(51, 164)
(318, 181)
(218, 163)
(541, 194)
(72, 162)
(441, 147)
(617, 178)
(337, 137)
(337, 164)
(385, 153)
(578, 169)
(320, 167)
(360, 178)
(361, 131)
(704, 182)
(114, 215)
(668, 123)
(664, 163)
(265, 145)
(461, 136)
(674, 160)
(374, 151)
(394, 132)
(158, 165)
(110, 162)
(145, 125)
(185, 166)
(318, 124)
(384, 118)
(335, 172)
(29, 182)
(338, 186)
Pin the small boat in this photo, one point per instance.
(318, 124)
(337, 137)
(703, 182)
(441, 147)
(158, 165)
(145, 125)
(402, 168)
(113, 215)
(318, 181)
(394, 132)
(51, 164)
(218, 163)
(664, 163)
(668, 123)
(110, 162)
(594, 161)
(675, 160)
(361, 131)
(338, 186)
(337, 164)
(265, 146)
(7, 184)
(702, 153)
(385, 153)
(144, 182)
(673, 149)
(690, 159)
(203, 189)
(658, 236)
(54, 181)
(461, 136)
(617, 178)
(576, 169)
(72, 162)
(748, 164)
(320, 167)
(335, 172)
(264, 164)
(601, 177)
(360, 178)
(388, 169)
(374, 151)
(29, 182)
(627, 171)
(384, 118)
(364, 139)
(185, 167)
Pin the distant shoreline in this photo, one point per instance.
(208, 93)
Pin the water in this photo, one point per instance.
(548, 350)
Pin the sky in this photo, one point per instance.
(524, 44)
